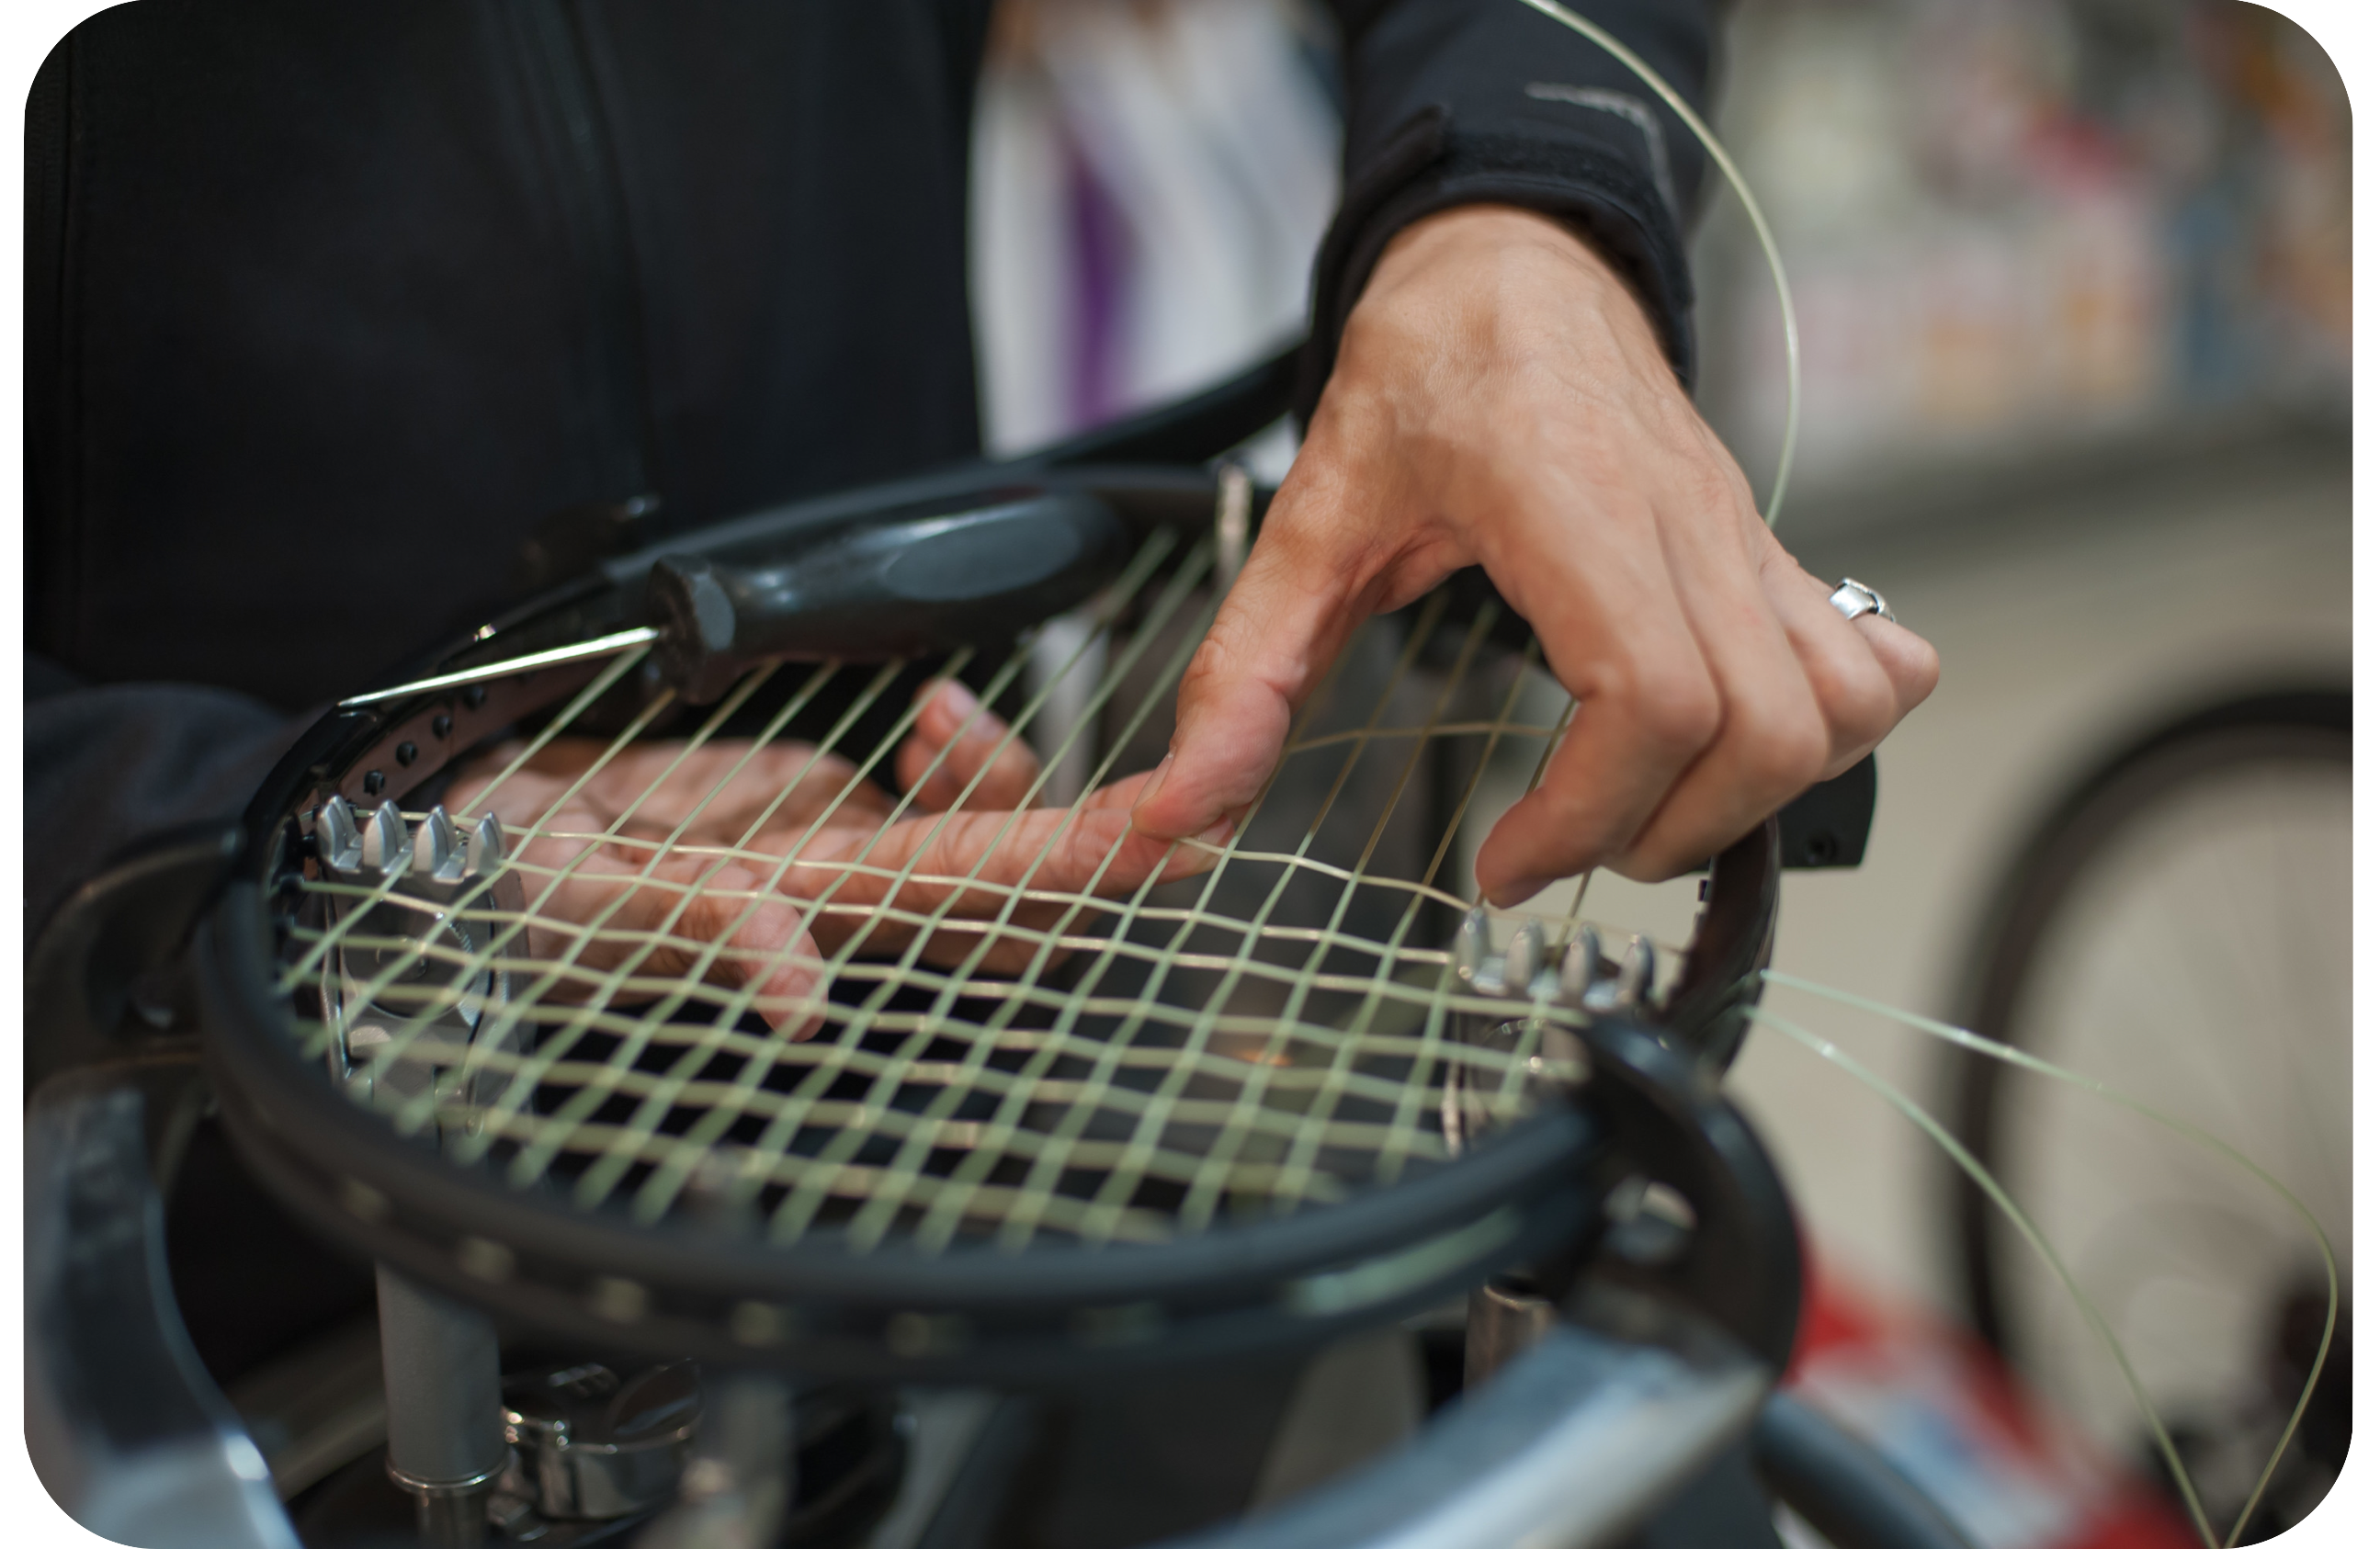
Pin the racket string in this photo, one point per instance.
(590, 933)
(801, 1204)
(421, 1107)
(1220, 1158)
(1265, 1038)
(309, 961)
(1121, 1184)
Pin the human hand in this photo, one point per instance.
(1500, 400)
(747, 846)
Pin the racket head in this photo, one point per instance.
(1188, 1130)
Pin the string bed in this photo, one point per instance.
(1272, 1031)
(1264, 1037)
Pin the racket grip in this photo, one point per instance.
(885, 591)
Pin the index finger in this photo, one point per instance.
(1285, 619)
(971, 865)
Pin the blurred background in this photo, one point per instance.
(2073, 285)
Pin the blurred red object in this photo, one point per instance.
(1952, 1416)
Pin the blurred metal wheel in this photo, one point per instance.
(2180, 929)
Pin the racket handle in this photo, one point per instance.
(888, 590)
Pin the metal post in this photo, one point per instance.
(445, 1425)
(1505, 1320)
(738, 1487)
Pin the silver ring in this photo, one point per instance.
(1851, 599)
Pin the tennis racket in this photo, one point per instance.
(1003, 1102)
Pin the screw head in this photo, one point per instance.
(440, 724)
(405, 754)
(374, 782)
(475, 697)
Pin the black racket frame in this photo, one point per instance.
(678, 1288)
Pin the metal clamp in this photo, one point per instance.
(449, 1513)
(593, 1445)
(1522, 973)
(125, 1428)
(409, 991)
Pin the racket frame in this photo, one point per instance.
(974, 1315)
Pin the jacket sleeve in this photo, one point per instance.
(107, 767)
(1467, 101)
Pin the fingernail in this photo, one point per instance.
(1155, 780)
(1217, 833)
(969, 721)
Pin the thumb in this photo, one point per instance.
(1279, 627)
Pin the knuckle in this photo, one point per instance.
(1784, 752)
(1673, 704)
(1926, 670)
(1854, 692)
(1713, 484)
(1534, 372)
(1859, 704)
(1212, 663)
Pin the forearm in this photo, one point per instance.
(1467, 101)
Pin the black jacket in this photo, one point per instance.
(329, 305)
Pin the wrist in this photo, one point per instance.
(1473, 233)
(1493, 240)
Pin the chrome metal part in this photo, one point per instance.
(1523, 957)
(485, 853)
(318, 1408)
(1636, 967)
(1630, 982)
(1505, 1320)
(126, 1430)
(1841, 1485)
(514, 1515)
(591, 1444)
(400, 1021)
(1650, 1223)
(1469, 1107)
(1568, 1448)
(1584, 978)
(608, 644)
(1471, 945)
(445, 1432)
(1582, 960)
(338, 842)
(735, 1491)
(1852, 600)
(388, 847)
(453, 1514)
(438, 853)
(945, 1427)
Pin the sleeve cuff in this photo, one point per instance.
(1424, 167)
